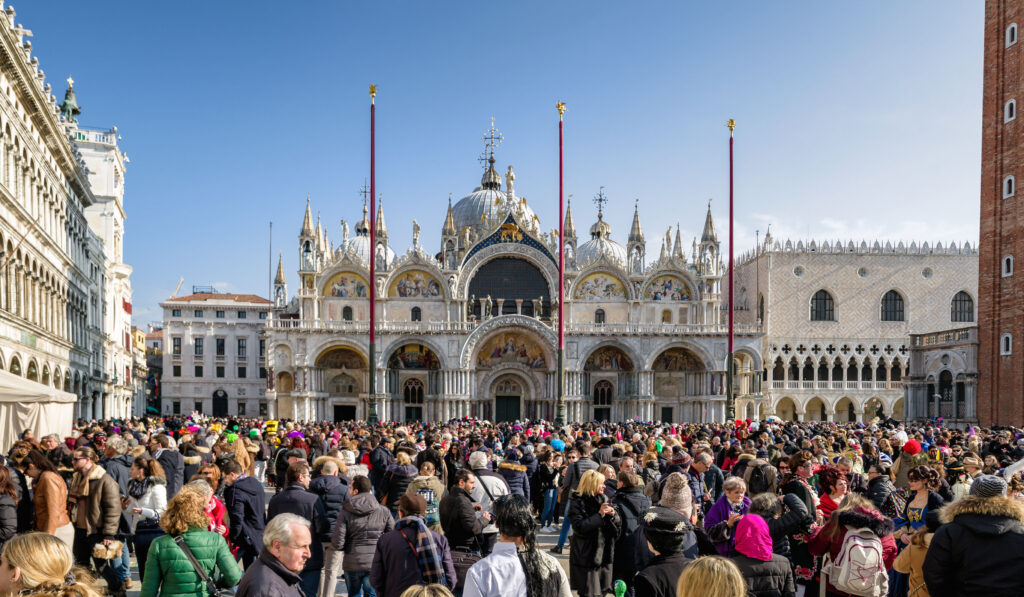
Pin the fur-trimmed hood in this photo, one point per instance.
(989, 516)
(512, 467)
(860, 518)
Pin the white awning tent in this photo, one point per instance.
(25, 404)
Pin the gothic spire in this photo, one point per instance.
(677, 249)
(636, 235)
(570, 227)
(709, 235)
(279, 278)
(319, 234)
(307, 220)
(449, 220)
(382, 228)
(664, 252)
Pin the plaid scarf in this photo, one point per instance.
(423, 546)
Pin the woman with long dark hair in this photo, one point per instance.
(453, 461)
(50, 498)
(537, 574)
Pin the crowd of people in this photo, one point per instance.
(439, 509)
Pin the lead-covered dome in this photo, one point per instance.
(600, 243)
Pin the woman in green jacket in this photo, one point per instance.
(168, 570)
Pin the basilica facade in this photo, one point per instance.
(471, 330)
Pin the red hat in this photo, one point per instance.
(912, 447)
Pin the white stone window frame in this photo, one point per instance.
(1006, 344)
(1011, 35)
(1007, 266)
(1009, 186)
(1010, 110)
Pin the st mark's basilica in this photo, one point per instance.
(471, 330)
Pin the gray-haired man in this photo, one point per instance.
(275, 573)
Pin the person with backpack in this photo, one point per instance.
(428, 486)
(262, 456)
(856, 537)
(570, 481)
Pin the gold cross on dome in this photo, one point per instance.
(71, 82)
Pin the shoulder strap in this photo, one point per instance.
(205, 578)
(414, 554)
(484, 487)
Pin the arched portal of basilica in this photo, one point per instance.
(471, 331)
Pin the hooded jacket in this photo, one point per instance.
(879, 490)
(360, 525)
(978, 549)
(102, 505)
(333, 493)
(767, 574)
(395, 482)
(515, 475)
(245, 505)
(631, 504)
(857, 518)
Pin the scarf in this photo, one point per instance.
(423, 546)
(137, 489)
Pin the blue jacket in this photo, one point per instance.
(515, 475)
(333, 493)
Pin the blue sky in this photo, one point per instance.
(855, 120)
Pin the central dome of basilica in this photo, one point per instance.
(483, 207)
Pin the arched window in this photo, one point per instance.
(599, 316)
(346, 313)
(962, 309)
(1010, 111)
(1008, 187)
(413, 391)
(1007, 266)
(666, 316)
(603, 393)
(417, 314)
(892, 306)
(823, 307)
(1006, 344)
(509, 278)
(1011, 34)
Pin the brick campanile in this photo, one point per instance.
(1001, 293)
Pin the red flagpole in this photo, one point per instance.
(730, 401)
(560, 398)
(372, 417)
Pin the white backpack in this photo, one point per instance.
(859, 568)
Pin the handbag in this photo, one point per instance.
(211, 586)
(463, 561)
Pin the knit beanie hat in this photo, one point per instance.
(987, 486)
(677, 495)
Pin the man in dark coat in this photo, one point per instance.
(603, 455)
(295, 498)
(570, 481)
(666, 531)
(332, 491)
(276, 572)
(380, 459)
(631, 504)
(395, 567)
(358, 529)
(118, 464)
(172, 462)
(458, 516)
(977, 550)
(244, 502)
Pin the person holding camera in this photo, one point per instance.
(595, 525)
(720, 522)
